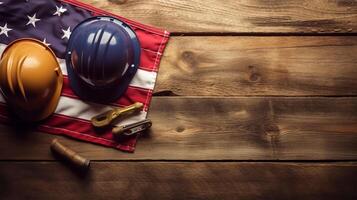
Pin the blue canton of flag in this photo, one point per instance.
(47, 20)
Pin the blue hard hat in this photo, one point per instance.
(103, 55)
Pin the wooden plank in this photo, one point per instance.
(245, 16)
(37, 180)
(287, 66)
(222, 129)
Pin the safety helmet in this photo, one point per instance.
(103, 55)
(30, 79)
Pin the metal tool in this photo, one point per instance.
(132, 129)
(106, 118)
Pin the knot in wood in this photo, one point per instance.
(271, 129)
(180, 129)
(189, 58)
(254, 75)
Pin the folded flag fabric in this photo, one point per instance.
(52, 22)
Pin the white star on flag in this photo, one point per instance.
(32, 20)
(45, 42)
(66, 33)
(59, 11)
(4, 30)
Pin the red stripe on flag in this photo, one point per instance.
(151, 42)
(81, 129)
(132, 95)
(147, 60)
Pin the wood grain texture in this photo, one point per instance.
(179, 181)
(244, 16)
(287, 66)
(222, 129)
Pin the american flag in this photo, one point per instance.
(52, 22)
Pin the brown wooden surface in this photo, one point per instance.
(257, 103)
(245, 16)
(162, 180)
(287, 66)
(222, 129)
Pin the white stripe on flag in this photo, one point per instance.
(62, 63)
(2, 48)
(142, 79)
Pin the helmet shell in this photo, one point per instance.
(103, 55)
(30, 79)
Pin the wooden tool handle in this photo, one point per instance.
(69, 155)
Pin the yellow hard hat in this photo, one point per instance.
(30, 79)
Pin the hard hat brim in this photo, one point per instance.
(105, 94)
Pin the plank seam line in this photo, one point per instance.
(257, 97)
(272, 34)
(192, 161)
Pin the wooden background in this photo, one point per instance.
(254, 99)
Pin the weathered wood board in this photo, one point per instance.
(258, 66)
(244, 16)
(284, 128)
(163, 180)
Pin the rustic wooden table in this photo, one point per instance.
(254, 99)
